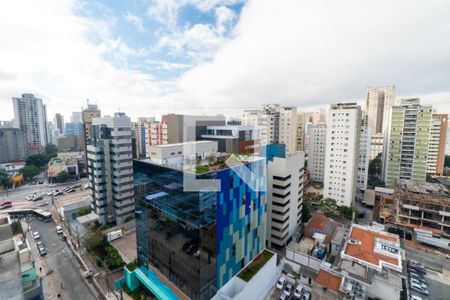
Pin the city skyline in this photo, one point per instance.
(163, 57)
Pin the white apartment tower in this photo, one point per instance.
(30, 115)
(316, 151)
(364, 154)
(301, 118)
(278, 125)
(139, 132)
(379, 101)
(342, 152)
(285, 197)
(110, 168)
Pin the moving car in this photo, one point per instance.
(298, 291)
(43, 204)
(58, 194)
(288, 289)
(59, 229)
(36, 235)
(280, 283)
(6, 204)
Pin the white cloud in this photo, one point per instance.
(308, 53)
(135, 20)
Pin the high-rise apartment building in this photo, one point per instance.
(30, 115)
(379, 101)
(139, 132)
(364, 155)
(12, 145)
(188, 128)
(406, 143)
(278, 125)
(110, 168)
(59, 123)
(342, 152)
(90, 112)
(76, 117)
(199, 239)
(301, 117)
(316, 152)
(155, 134)
(436, 145)
(285, 194)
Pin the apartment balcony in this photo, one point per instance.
(281, 209)
(119, 195)
(283, 218)
(119, 203)
(126, 210)
(121, 133)
(122, 180)
(279, 234)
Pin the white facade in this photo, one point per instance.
(376, 145)
(285, 197)
(110, 168)
(278, 125)
(301, 117)
(316, 152)
(175, 155)
(30, 115)
(342, 152)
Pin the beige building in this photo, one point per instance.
(436, 144)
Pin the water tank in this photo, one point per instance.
(320, 254)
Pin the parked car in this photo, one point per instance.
(298, 291)
(280, 283)
(417, 277)
(43, 204)
(417, 269)
(283, 296)
(42, 251)
(306, 296)
(6, 204)
(70, 191)
(418, 288)
(414, 297)
(37, 197)
(288, 289)
(59, 229)
(39, 244)
(58, 194)
(36, 235)
(418, 282)
(29, 198)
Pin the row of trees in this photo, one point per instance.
(35, 162)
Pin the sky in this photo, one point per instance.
(150, 57)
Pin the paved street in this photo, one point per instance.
(66, 278)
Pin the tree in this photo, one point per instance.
(29, 171)
(375, 166)
(38, 160)
(93, 238)
(447, 161)
(3, 177)
(51, 151)
(305, 213)
(83, 211)
(63, 177)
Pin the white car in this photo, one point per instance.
(59, 229)
(414, 297)
(298, 291)
(288, 288)
(36, 235)
(280, 283)
(306, 296)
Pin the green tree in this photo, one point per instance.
(38, 160)
(447, 161)
(29, 171)
(51, 150)
(93, 239)
(83, 211)
(3, 177)
(63, 177)
(305, 213)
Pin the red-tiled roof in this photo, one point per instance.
(322, 224)
(328, 280)
(364, 250)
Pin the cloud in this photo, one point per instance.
(135, 20)
(306, 53)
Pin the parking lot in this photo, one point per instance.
(275, 293)
(65, 278)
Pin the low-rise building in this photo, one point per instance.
(12, 145)
(234, 139)
(57, 165)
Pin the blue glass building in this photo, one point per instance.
(74, 128)
(199, 240)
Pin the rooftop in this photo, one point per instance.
(373, 247)
(321, 224)
(329, 280)
(184, 144)
(306, 245)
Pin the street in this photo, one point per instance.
(65, 278)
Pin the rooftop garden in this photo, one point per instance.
(255, 266)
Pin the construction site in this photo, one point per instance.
(417, 208)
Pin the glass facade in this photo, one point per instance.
(199, 240)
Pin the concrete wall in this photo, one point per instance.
(303, 259)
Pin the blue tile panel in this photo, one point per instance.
(241, 217)
(273, 150)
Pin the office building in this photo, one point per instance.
(278, 125)
(74, 128)
(199, 239)
(301, 117)
(59, 123)
(18, 275)
(436, 145)
(30, 115)
(53, 134)
(316, 152)
(76, 117)
(187, 128)
(406, 144)
(342, 152)
(70, 143)
(12, 145)
(284, 194)
(110, 168)
(139, 133)
(237, 139)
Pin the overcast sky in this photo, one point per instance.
(148, 57)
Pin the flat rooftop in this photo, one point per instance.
(373, 247)
(306, 245)
(184, 144)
